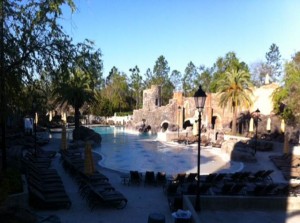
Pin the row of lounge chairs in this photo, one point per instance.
(204, 141)
(94, 188)
(45, 186)
(216, 183)
(214, 178)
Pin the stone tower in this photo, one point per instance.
(152, 98)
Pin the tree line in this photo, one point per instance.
(42, 68)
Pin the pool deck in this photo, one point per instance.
(143, 200)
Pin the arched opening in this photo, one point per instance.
(187, 123)
(164, 126)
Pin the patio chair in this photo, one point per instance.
(191, 177)
(161, 178)
(149, 178)
(135, 177)
(179, 178)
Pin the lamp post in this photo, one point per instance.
(178, 120)
(199, 98)
(256, 117)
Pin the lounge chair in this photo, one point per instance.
(107, 198)
(85, 189)
(41, 200)
(95, 177)
(47, 188)
(149, 178)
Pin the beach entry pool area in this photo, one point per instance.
(124, 151)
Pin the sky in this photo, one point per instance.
(137, 32)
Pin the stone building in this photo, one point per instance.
(181, 110)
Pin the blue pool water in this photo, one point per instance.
(123, 151)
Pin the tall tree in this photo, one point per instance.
(224, 64)
(75, 85)
(136, 85)
(160, 76)
(161, 70)
(274, 64)
(259, 70)
(31, 40)
(117, 90)
(204, 79)
(149, 76)
(102, 106)
(235, 91)
(286, 98)
(190, 74)
(176, 79)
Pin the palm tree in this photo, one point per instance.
(235, 92)
(75, 92)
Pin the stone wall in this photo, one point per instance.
(156, 117)
(181, 109)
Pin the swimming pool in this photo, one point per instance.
(123, 151)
